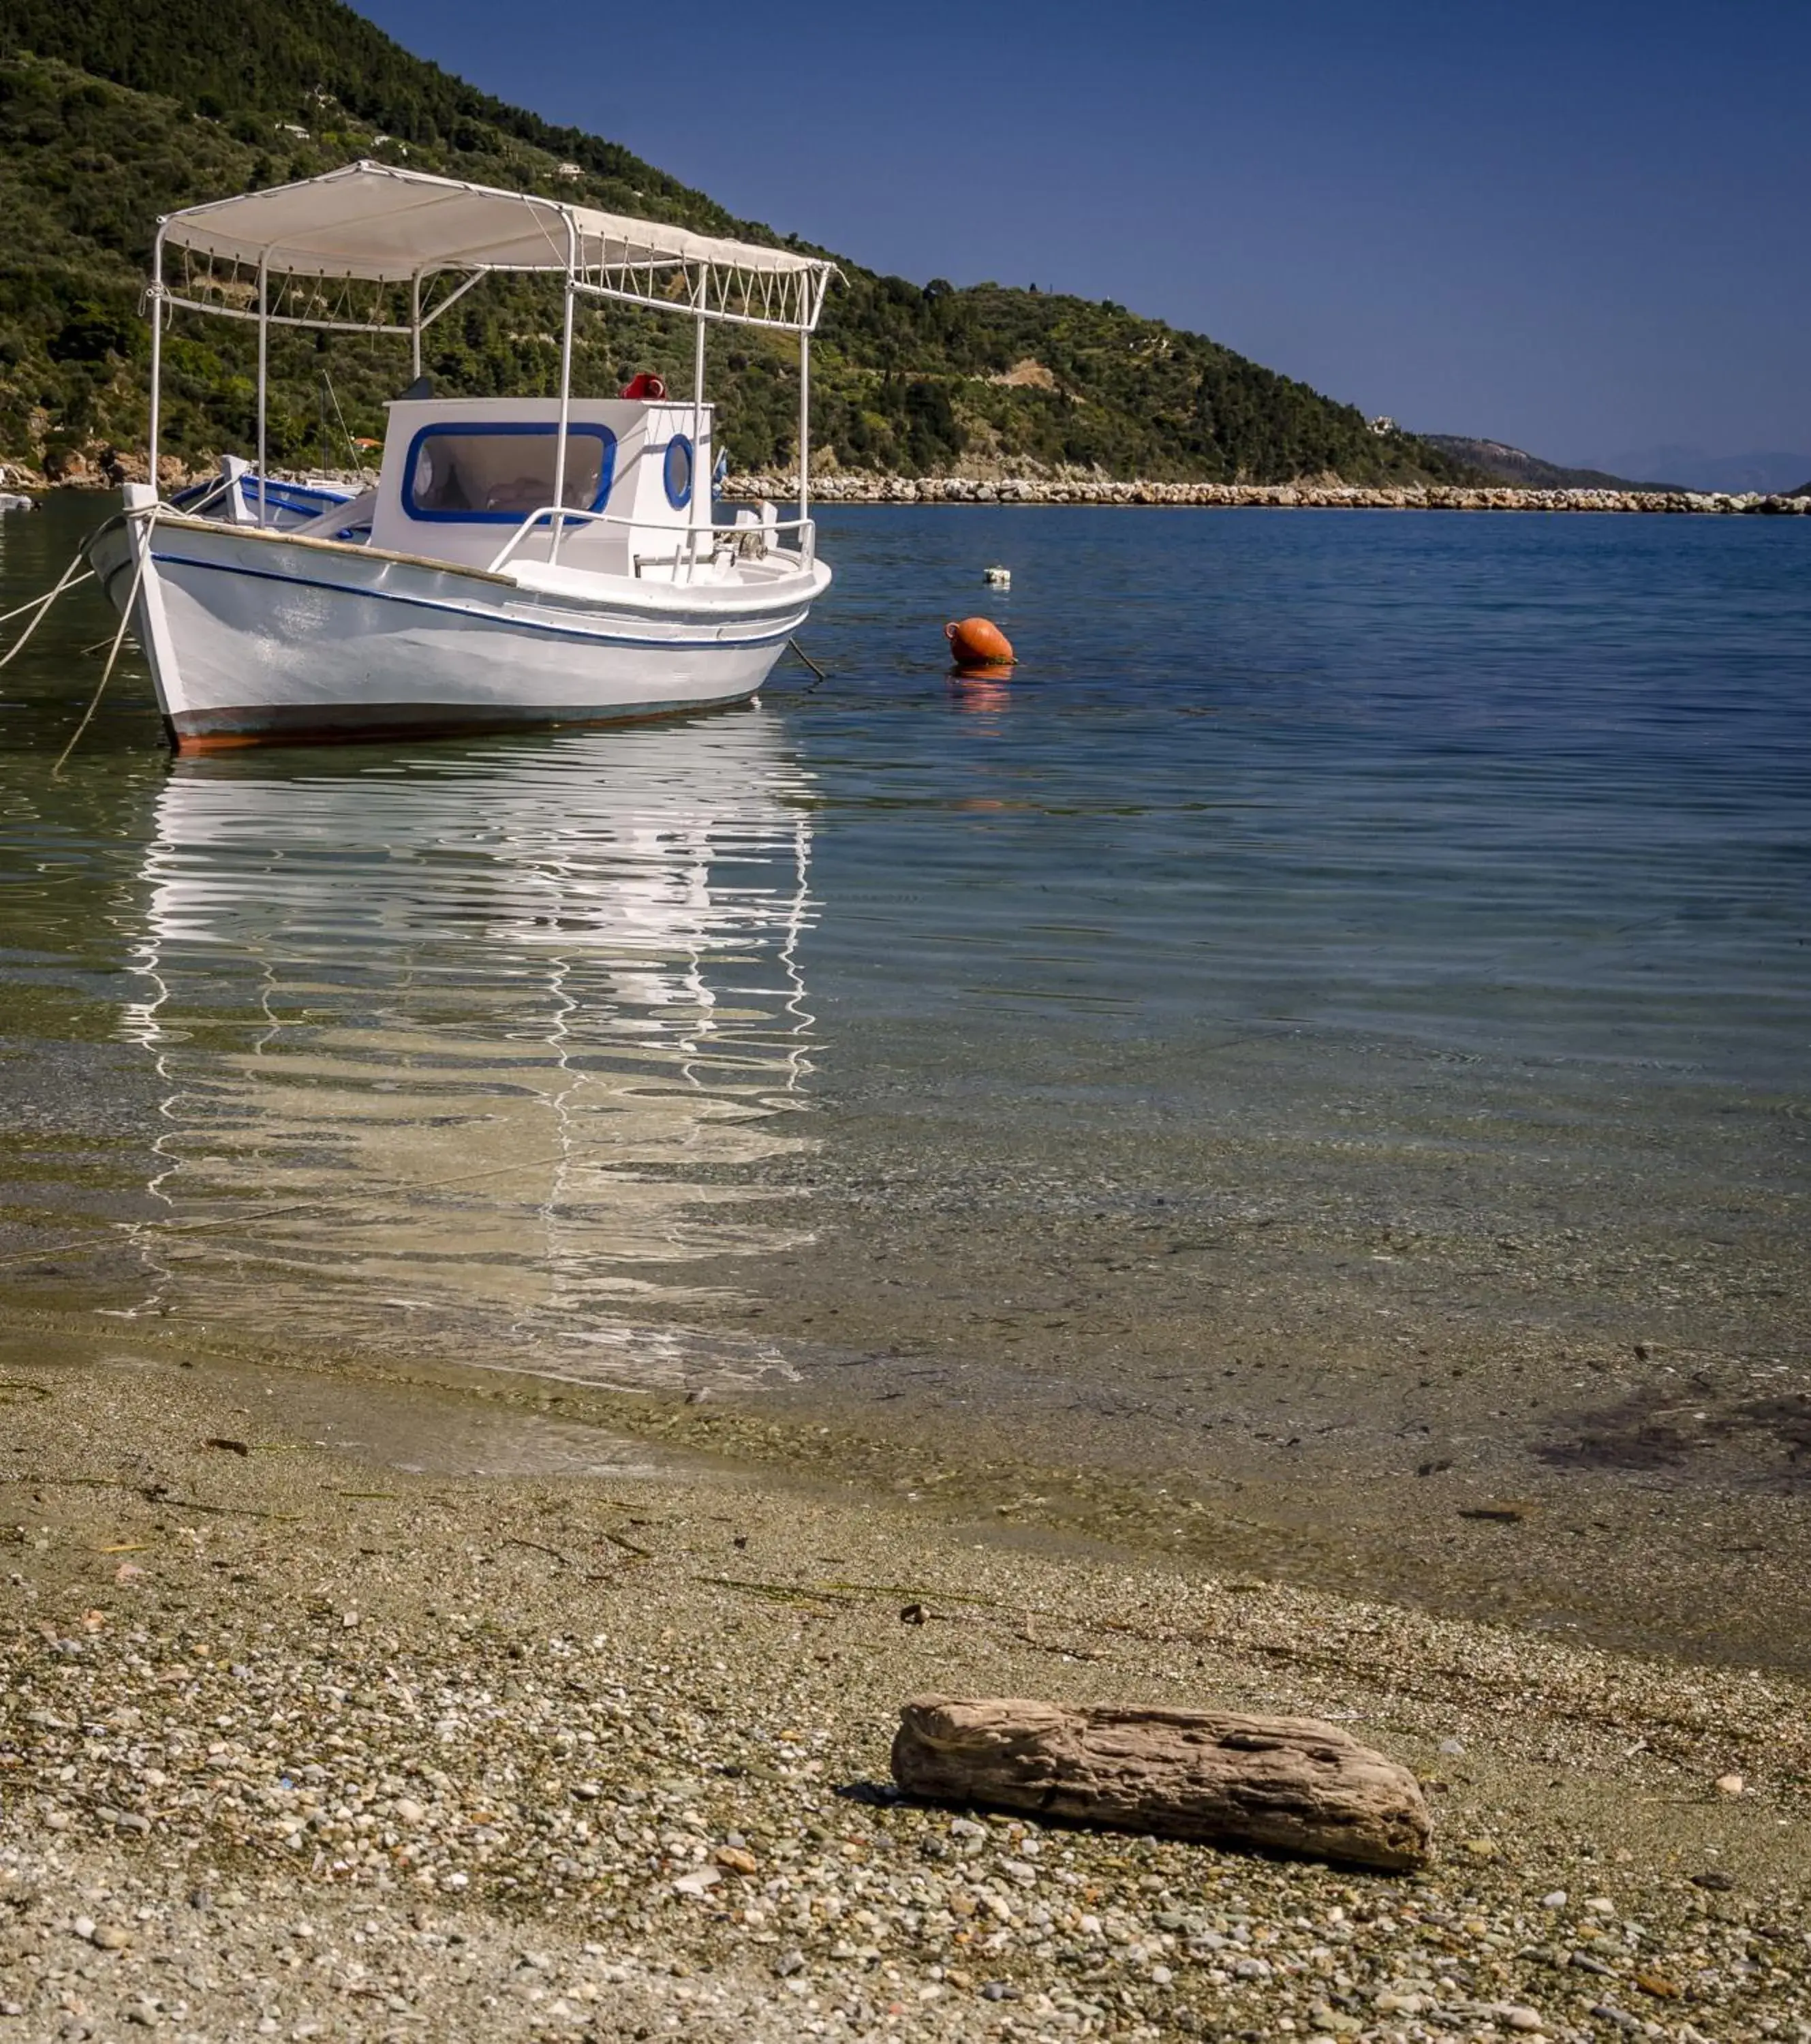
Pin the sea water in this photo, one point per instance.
(1359, 939)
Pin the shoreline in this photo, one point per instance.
(861, 489)
(316, 1746)
(1707, 1571)
(855, 488)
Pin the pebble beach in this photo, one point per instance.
(295, 1746)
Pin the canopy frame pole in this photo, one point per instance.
(176, 303)
(453, 296)
(156, 350)
(700, 475)
(667, 306)
(559, 518)
(415, 327)
(264, 372)
(804, 429)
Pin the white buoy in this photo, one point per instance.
(997, 578)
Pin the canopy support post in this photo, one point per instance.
(559, 518)
(264, 372)
(156, 350)
(700, 475)
(415, 327)
(804, 429)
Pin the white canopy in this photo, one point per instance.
(379, 223)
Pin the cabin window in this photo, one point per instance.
(677, 471)
(484, 475)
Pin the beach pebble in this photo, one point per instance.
(675, 1796)
(1730, 1784)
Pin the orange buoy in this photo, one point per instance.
(978, 642)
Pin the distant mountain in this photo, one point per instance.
(1526, 471)
(1651, 468)
(114, 111)
(1691, 468)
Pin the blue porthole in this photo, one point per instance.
(677, 471)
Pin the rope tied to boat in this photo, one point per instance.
(812, 664)
(148, 514)
(41, 604)
(69, 579)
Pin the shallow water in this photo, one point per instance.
(1358, 960)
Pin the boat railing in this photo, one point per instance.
(689, 539)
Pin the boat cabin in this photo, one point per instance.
(461, 476)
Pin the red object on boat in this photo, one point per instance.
(646, 388)
(978, 642)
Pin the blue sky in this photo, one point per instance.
(1585, 229)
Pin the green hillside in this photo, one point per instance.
(112, 113)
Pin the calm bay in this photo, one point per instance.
(1312, 1075)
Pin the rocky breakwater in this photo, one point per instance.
(850, 486)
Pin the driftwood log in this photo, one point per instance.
(1292, 1784)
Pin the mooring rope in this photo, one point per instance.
(69, 579)
(119, 637)
(41, 604)
(811, 664)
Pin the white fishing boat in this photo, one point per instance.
(540, 560)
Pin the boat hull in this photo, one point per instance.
(260, 637)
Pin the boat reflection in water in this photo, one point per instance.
(461, 1050)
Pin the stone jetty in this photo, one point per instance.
(852, 486)
(109, 468)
